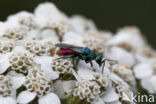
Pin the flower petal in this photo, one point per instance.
(73, 38)
(68, 85)
(18, 81)
(110, 95)
(119, 54)
(14, 74)
(130, 35)
(25, 97)
(85, 71)
(7, 100)
(45, 62)
(48, 14)
(60, 87)
(51, 98)
(149, 84)
(115, 78)
(153, 79)
(85, 74)
(99, 101)
(4, 62)
(143, 70)
(76, 75)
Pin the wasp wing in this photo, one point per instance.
(69, 47)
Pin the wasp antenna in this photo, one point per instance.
(112, 61)
(104, 62)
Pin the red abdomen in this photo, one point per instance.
(65, 52)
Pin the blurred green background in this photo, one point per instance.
(107, 14)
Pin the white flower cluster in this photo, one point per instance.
(87, 89)
(102, 80)
(5, 86)
(96, 40)
(129, 47)
(6, 45)
(31, 70)
(124, 72)
(110, 87)
(16, 33)
(21, 62)
(37, 82)
(62, 66)
(35, 47)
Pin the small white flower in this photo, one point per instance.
(49, 35)
(21, 60)
(103, 80)
(6, 45)
(87, 90)
(127, 38)
(37, 84)
(23, 18)
(8, 87)
(14, 31)
(145, 71)
(81, 25)
(72, 38)
(124, 72)
(62, 65)
(120, 55)
(36, 47)
(96, 40)
(48, 16)
(125, 92)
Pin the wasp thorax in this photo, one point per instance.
(16, 33)
(5, 86)
(62, 65)
(88, 90)
(6, 45)
(37, 82)
(36, 47)
(21, 61)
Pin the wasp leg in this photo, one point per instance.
(104, 62)
(91, 64)
(111, 61)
